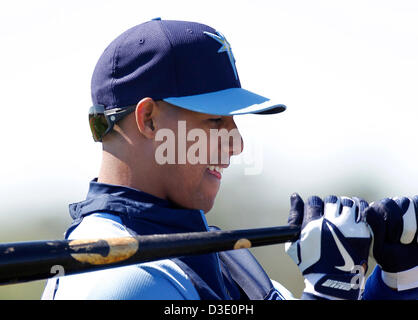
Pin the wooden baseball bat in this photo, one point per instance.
(36, 260)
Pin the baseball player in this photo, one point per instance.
(160, 90)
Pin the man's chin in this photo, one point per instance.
(203, 205)
(205, 211)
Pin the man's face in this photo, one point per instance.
(203, 145)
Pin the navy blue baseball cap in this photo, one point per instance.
(187, 64)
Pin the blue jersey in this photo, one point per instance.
(157, 280)
(117, 211)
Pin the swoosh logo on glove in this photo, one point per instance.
(348, 261)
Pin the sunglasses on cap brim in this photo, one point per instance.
(102, 121)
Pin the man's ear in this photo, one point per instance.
(144, 114)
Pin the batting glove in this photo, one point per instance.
(395, 246)
(333, 247)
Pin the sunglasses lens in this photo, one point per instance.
(98, 126)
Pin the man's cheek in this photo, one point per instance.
(215, 153)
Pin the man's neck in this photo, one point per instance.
(115, 171)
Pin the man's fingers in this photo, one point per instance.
(295, 219)
(374, 219)
(409, 220)
(384, 218)
(314, 209)
(415, 200)
(296, 210)
(348, 212)
(332, 207)
(362, 205)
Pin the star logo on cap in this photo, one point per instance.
(226, 47)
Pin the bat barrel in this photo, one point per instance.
(36, 260)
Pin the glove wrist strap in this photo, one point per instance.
(333, 286)
(403, 280)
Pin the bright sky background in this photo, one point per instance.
(347, 70)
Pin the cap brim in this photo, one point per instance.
(228, 102)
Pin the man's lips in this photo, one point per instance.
(216, 171)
